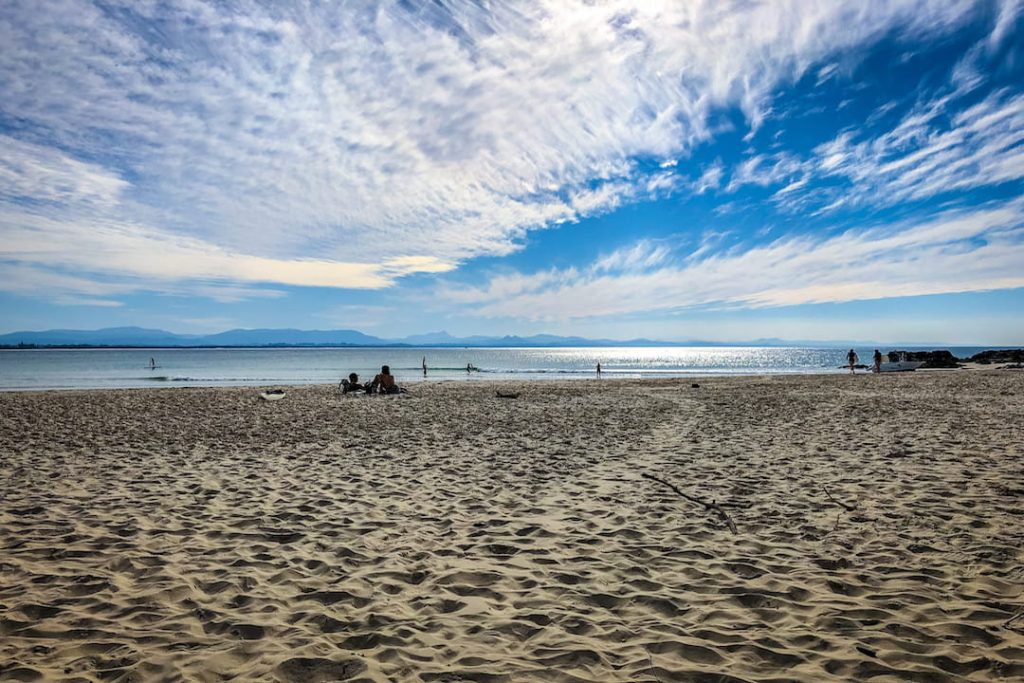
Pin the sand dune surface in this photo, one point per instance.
(450, 535)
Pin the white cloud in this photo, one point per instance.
(974, 250)
(924, 156)
(346, 145)
(765, 170)
(29, 171)
(221, 292)
(935, 148)
(710, 179)
(825, 74)
(643, 255)
(1008, 13)
(26, 280)
(83, 301)
(109, 247)
(94, 289)
(662, 183)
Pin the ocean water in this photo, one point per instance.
(121, 368)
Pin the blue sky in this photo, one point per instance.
(679, 170)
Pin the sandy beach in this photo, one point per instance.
(449, 535)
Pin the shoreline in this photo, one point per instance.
(62, 370)
(452, 535)
(489, 377)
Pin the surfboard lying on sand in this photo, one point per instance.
(275, 395)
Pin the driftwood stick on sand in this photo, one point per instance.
(650, 660)
(700, 501)
(848, 508)
(1015, 617)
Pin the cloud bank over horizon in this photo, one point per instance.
(956, 252)
(245, 151)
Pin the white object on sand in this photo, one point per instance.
(900, 366)
(272, 395)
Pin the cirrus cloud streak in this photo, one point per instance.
(125, 250)
(959, 251)
(444, 130)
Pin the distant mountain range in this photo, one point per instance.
(138, 336)
(142, 337)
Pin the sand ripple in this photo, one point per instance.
(191, 534)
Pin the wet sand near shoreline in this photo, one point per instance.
(449, 535)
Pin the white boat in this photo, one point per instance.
(900, 366)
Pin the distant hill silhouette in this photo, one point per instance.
(137, 336)
(142, 337)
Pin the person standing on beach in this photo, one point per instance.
(599, 369)
(424, 366)
(852, 357)
(878, 360)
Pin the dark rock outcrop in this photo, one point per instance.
(932, 359)
(998, 356)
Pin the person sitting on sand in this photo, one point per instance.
(351, 384)
(383, 383)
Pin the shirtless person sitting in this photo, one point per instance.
(383, 383)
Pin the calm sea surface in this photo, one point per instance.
(115, 368)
